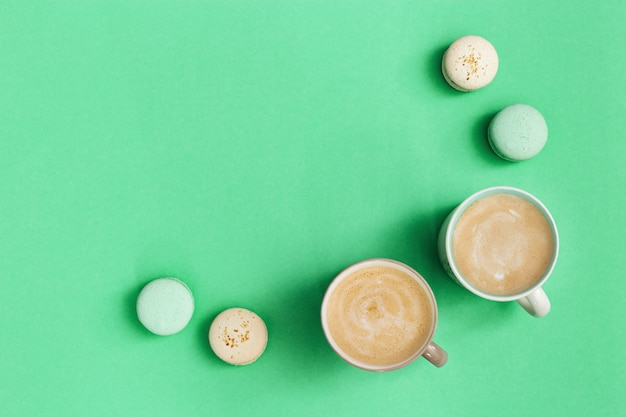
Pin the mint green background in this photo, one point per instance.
(253, 149)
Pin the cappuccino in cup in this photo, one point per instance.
(502, 244)
(381, 315)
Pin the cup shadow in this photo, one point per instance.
(296, 345)
(424, 231)
(458, 308)
(299, 340)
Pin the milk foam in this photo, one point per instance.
(502, 244)
(380, 315)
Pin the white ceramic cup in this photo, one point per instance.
(428, 349)
(533, 299)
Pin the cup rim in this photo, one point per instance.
(458, 212)
(364, 264)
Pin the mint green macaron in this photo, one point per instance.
(518, 132)
(165, 306)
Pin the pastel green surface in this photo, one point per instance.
(254, 149)
(518, 132)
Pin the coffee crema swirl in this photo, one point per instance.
(502, 244)
(380, 315)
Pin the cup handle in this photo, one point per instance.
(435, 354)
(536, 303)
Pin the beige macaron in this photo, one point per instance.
(470, 63)
(238, 336)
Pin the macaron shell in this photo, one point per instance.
(238, 336)
(518, 132)
(165, 306)
(470, 63)
(447, 78)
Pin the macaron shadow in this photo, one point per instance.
(129, 305)
(296, 339)
(432, 67)
(203, 341)
(479, 132)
